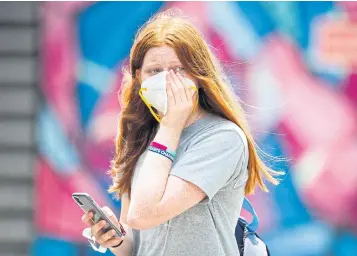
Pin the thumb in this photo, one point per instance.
(107, 211)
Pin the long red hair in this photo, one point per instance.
(137, 127)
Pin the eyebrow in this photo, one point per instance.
(153, 61)
(175, 62)
(154, 64)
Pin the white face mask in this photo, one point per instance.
(153, 92)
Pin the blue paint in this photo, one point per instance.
(106, 30)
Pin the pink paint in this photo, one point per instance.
(196, 11)
(56, 213)
(333, 193)
(316, 119)
(59, 59)
(313, 112)
(350, 88)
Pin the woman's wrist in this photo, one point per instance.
(168, 136)
(172, 126)
(125, 249)
(116, 251)
(119, 250)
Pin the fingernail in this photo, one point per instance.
(112, 232)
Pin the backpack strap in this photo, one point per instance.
(254, 224)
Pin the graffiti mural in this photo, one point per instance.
(293, 64)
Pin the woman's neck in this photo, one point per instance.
(196, 115)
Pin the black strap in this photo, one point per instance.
(118, 244)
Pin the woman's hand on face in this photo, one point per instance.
(180, 101)
(107, 239)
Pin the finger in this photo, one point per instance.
(112, 242)
(106, 236)
(186, 87)
(175, 88)
(107, 211)
(96, 229)
(110, 214)
(180, 86)
(169, 92)
(87, 219)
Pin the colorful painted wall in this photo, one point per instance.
(294, 64)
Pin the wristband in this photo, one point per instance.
(161, 152)
(162, 147)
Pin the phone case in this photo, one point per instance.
(88, 204)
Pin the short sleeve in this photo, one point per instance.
(211, 161)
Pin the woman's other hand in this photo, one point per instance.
(180, 101)
(106, 240)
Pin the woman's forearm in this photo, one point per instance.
(126, 248)
(152, 179)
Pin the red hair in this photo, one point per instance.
(137, 127)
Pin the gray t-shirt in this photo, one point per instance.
(212, 155)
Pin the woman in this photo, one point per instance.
(181, 172)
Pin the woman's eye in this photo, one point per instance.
(155, 71)
(179, 69)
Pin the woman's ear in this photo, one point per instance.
(138, 75)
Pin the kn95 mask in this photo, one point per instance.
(153, 92)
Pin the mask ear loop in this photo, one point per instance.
(148, 104)
(196, 103)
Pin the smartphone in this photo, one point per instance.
(89, 205)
